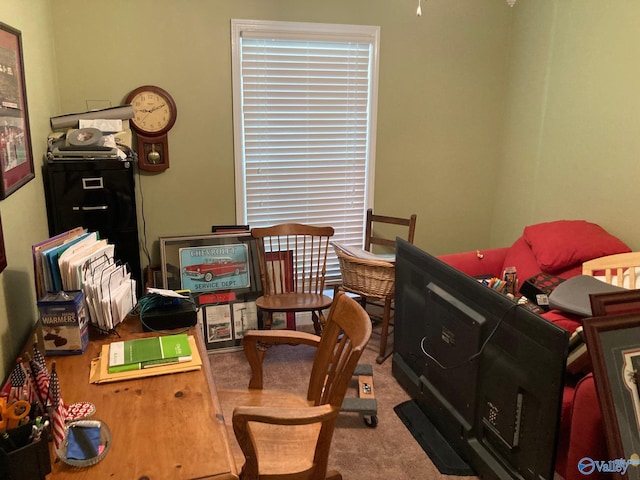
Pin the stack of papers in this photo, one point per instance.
(148, 352)
(80, 260)
(100, 367)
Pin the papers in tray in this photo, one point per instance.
(43, 279)
(100, 367)
(360, 253)
(80, 260)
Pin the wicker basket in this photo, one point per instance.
(369, 278)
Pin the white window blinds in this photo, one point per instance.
(304, 113)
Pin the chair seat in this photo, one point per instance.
(294, 453)
(294, 302)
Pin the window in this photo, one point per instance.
(305, 101)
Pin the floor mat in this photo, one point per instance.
(446, 460)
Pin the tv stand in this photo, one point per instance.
(439, 450)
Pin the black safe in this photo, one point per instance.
(99, 195)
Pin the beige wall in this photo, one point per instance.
(439, 113)
(24, 219)
(571, 144)
(489, 117)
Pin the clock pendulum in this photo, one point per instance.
(153, 157)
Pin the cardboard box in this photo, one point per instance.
(65, 325)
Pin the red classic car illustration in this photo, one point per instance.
(214, 267)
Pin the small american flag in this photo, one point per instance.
(38, 357)
(39, 368)
(18, 378)
(30, 387)
(41, 380)
(59, 414)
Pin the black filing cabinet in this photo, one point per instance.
(99, 195)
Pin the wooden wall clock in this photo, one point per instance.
(154, 114)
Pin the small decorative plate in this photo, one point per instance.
(105, 443)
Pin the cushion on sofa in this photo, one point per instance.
(573, 295)
(477, 262)
(568, 321)
(520, 256)
(562, 244)
(569, 272)
(587, 431)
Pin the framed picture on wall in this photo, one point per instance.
(16, 157)
(613, 342)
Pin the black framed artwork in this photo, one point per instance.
(613, 343)
(16, 157)
(222, 274)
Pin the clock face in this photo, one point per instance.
(154, 110)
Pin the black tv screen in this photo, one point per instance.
(485, 371)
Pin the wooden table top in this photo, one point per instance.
(163, 427)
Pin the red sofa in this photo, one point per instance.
(558, 248)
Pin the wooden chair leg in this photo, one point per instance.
(318, 322)
(268, 320)
(384, 333)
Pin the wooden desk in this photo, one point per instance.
(164, 427)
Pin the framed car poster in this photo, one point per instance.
(213, 268)
(221, 272)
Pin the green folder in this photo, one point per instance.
(148, 352)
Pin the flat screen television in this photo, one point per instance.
(487, 373)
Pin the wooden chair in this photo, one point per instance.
(622, 269)
(287, 436)
(293, 263)
(374, 280)
(374, 237)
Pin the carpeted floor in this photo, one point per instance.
(358, 452)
